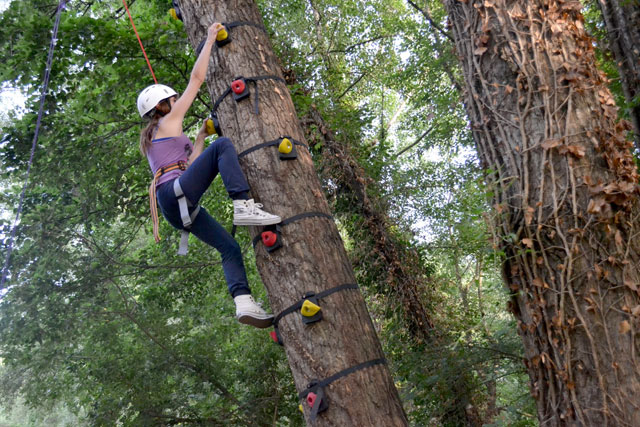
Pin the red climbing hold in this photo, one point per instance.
(238, 86)
(269, 238)
(311, 399)
(274, 336)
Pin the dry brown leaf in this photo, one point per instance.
(596, 205)
(624, 327)
(636, 310)
(619, 240)
(528, 214)
(551, 143)
(480, 50)
(527, 242)
(538, 282)
(631, 285)
(576, 150)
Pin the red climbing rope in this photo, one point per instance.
(139, 41)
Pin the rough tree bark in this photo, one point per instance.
(313, 257)
(566, 202)
(622, 19)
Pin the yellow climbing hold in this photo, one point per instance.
(300, 407)
(222, 35)
(173, 13)
(210, 128)
(309, 309)
(285, 146)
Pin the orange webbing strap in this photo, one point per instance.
(153, 204)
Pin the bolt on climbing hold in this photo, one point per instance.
(223, 39)
(275, 336)
(285, 146)
(239, 89)
(311, 398)
(175, 10)
(309, 309)
(271, 238)
(213, 125)
(210, 128)
(287, 149)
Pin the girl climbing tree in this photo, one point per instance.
(182, 172)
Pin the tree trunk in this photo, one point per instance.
(622, 19)
(566, 205)
(313, 256)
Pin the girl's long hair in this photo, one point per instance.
(162, 109)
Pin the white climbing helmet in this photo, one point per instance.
(149, 98)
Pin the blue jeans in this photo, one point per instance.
(219, 157)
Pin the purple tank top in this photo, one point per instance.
(165, 151)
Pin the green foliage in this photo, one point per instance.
(118, 329)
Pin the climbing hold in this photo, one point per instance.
(238, 86)
(223, 39)
(309, 309)
(222, 35)
(239, 89)
(175, 11)
(287, 149)
(301, 408)
(285, 146)
(210, 127)
(311, 399)
(275, 335)
(213, 125)
(269, 238)
(216, 124)
(318, 400)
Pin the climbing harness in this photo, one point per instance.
(271, 234)
(135, 30)
(286, 147)
(183, 204)
(187, 219)
(43, 93)
(309, 308)
(314, 394)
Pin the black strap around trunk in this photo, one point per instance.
(318, 386)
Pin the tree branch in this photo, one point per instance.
(428, 17)
(416, 142)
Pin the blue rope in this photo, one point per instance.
(45, 87)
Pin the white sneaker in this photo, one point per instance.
(247, 212)
(250, 313)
